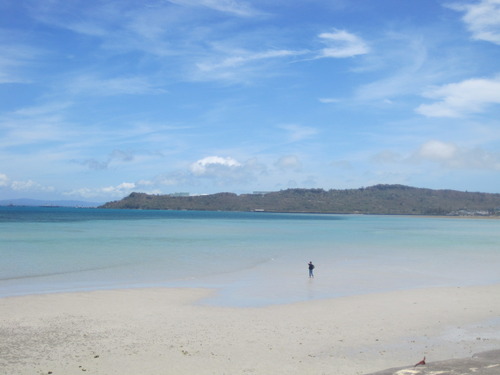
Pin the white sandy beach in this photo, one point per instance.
(165, 331)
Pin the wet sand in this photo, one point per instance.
(167, 331)
(484, 363)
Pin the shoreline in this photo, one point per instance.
(170, 331)
(263, 211)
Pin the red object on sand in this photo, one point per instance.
(422, 362)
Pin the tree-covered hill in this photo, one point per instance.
(378, 199)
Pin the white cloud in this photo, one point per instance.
(341, 44)
(120, 187)
(214, 165)
(82, 192)
(452, 156)
(437, 150)
(459, 99)
(482, 19)
(4, 180)
(23, 185)
(289, 162)
(117, 191)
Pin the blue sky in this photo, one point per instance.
(103, 98)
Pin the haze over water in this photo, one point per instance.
(250, 259)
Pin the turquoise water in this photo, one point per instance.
(251, 259)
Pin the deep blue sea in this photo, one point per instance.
(249, 258)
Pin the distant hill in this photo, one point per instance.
(378, 199)
(41, 203)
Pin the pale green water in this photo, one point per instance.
(250, 258)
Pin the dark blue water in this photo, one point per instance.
(70, 214)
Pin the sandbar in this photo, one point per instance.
(170, 331)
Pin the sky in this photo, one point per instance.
(99, 99)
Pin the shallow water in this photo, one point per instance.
(251, 259)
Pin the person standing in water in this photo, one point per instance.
(311, 268)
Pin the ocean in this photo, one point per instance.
(248, 258)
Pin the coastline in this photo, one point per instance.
(169, 331)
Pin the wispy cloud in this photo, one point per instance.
(35, 125)
(328, 100)
(482, 19)
(51, 124)
(77, 17)
(238, 8)
(342, 44)
(113, 27)
(230, 61)
(15, 57)
(462, 98)
(208, 50)
(239, 65)
(93, 85)
(244, 57)
(93, 107)
(404, 66)
(45, 109)
(297, 133)
(115, 156)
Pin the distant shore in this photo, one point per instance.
(91, 207)
(379, 199)
(153, 331)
